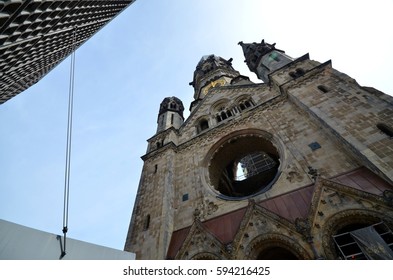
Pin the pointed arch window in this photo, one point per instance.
(223, 115)
(243, 105)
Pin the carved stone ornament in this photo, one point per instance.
(388, 197)
(293, 174)
(206, 208)
(197, 213)
(303, 226)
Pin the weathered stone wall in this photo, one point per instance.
(154, 199)
(322, 124)
(350, 113)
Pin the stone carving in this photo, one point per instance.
(313, 172)
(335, 199)
(388, 197)
(294, 175)
(303, 226)
(206, 208)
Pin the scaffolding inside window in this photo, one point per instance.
(254, 164)
(372, 242)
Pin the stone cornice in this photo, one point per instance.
(159, 152)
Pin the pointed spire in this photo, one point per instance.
(254, 52)
(263, 58)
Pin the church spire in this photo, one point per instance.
(263, 58)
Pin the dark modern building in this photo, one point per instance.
(36, 35)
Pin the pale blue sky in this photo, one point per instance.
(123, 73)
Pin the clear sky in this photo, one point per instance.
(147, 53)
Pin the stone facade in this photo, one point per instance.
(333, 164)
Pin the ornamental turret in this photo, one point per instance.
(170, 114)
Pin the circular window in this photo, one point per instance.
(244, 164)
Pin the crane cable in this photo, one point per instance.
(68, 144)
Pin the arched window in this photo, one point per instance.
(350, 241)
(385, 129)
(146, 224)
(172, 106)
(299, 72)
(323, 89)
(202, 125)
(245, 104)
(223, 116)
(223, 110)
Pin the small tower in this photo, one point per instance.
(170, 114)
(211, 71)
(264, 58)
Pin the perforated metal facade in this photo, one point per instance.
(35, 35)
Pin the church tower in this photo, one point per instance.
(264, 58)
(170, 114)
(296, 167)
